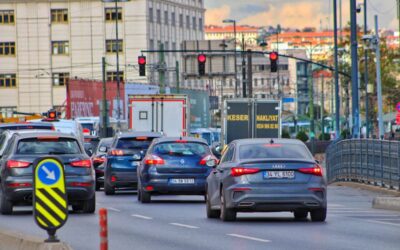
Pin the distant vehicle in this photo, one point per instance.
(91, 124)
(123, 157)
(25, 125)
(16, 169)
(165, 114)
(177, 166)
(6, 135)
(92, 140)
(211, 135)
(98, 159)
(267, 175)
(65, 126)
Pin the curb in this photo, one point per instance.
(17, 241)
(389, 203)
(376, 189)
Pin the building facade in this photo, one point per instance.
(45, 43)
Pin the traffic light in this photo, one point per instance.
(201, 59)
(142, 65)
(273, 58)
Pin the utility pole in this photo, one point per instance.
(161, 68)
(322, 108)
(354, 70)
(366, 74)
(118, 78)
(104, 101)
(177, 77)
(311, 104)
(250, 73)
(337, 97)
(378, 79)
(244, 94)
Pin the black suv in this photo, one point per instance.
(16, 169)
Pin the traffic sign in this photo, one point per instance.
(49, 196)
(398, 106)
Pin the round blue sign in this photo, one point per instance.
(49, 173)
(398, 106)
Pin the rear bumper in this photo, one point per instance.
(164, 186)
(256, 201)
(124, 179)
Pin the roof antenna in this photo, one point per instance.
(271, 141)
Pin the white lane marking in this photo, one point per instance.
(183, 225)
(334, 205)
(384, 223)
(113, 209)
(353, 211)
(248, 238)
(377, 215)
(141, 217)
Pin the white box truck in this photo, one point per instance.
(166, 114)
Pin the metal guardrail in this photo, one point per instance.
(375, 162)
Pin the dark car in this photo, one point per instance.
(16, 169)
(266, 175)
(98, 159)
(25, 126)
(123, 157)
(176, 166)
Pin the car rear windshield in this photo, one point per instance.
(88, 126)
(274, 151)
(50, 146)
(25, 127)
(182, 149)
(134, 143)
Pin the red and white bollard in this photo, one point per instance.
(103, 229)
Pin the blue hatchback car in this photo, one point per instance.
(123, 157)
(177, 166)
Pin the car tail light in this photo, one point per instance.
(17, 164)
(149, 188)
(98, 160)
(80, 184)
(19, 185)
(48, 138)
(153, 160)
(116, 152)
(113, 178)
(81, 163)
(181, 141)
(53, 128)
(239, 171)
(207, 160)
(316, 170)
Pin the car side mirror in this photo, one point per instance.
(103, 149)
(89, 152)
(317, 161)
(216, 150)
(137, 157)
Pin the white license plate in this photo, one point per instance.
(279, 174)
(181, 181)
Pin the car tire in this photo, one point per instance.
(300, 215)
(89, 206)
(145, 197)
(227, 214)
(211, 214)
(108, 190)
(139, 193)
(6, 206)
(98, 186)
(318, 215)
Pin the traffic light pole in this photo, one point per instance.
(250, 73)
(244, 94)
(104, 101)
(161, 69)
(178, 90)
(336, 71)
(354, 70)
(118, 73)
(366, 74)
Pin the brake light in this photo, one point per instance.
(113, 178)
(81, 164)
(153, 160)
(17, 164)
(80, 184)
(98, 160)
(239, 171)
(117, 152)
(316, 170)
(208, 159)
(181, 141)
(47, 138)
(142, 138)
(53, 128)
(19, 185)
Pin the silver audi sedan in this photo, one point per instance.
(267, 175)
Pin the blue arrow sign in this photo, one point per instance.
(398, 106)
(49, 173)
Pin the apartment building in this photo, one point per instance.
(45, 43)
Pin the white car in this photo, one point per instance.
(66, 126)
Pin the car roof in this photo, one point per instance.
(27, 124)
(268, 140)
(58, 121)
(136, 134)
(108, 139)
(172, 139)
(32, 134)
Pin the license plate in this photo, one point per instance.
(279, 174)
(181, 181)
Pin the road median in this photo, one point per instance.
(10, 240)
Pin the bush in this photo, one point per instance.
(324, 137)
(302, 136)
(285, 134)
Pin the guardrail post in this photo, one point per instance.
(381, 163)
(103, 229)
(367, 163)
(391, 165)
(398, 165)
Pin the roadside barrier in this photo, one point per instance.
(375, 162)
(103, 229)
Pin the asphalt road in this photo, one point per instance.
(179, 222)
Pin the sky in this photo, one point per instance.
(297, 13)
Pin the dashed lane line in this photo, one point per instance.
(384, 223)
(114, 209)
(141, 217)
(183, 225)
(248, 238)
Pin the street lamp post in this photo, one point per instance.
(234, 44)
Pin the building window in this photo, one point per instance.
(111, 16)
(151, 44)
(7, 17)
(174, 46)
(112, 46)
(8, 80)
(181, 20)
(60, 79)
(158, 16)
(60, 47)
(7, 112)
(112, 76)
(59, 16)
(173, 21)
(187, 22)
(194, 23)
(200, 23)
(7, 48)
(151, 15)
(166, 17)
(166, 45)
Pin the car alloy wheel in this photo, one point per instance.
(210, 212)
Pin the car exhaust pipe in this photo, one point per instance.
(246, 204)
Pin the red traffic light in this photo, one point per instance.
(201, 58)
(142, 60)
(52, 115)
(273, 56)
